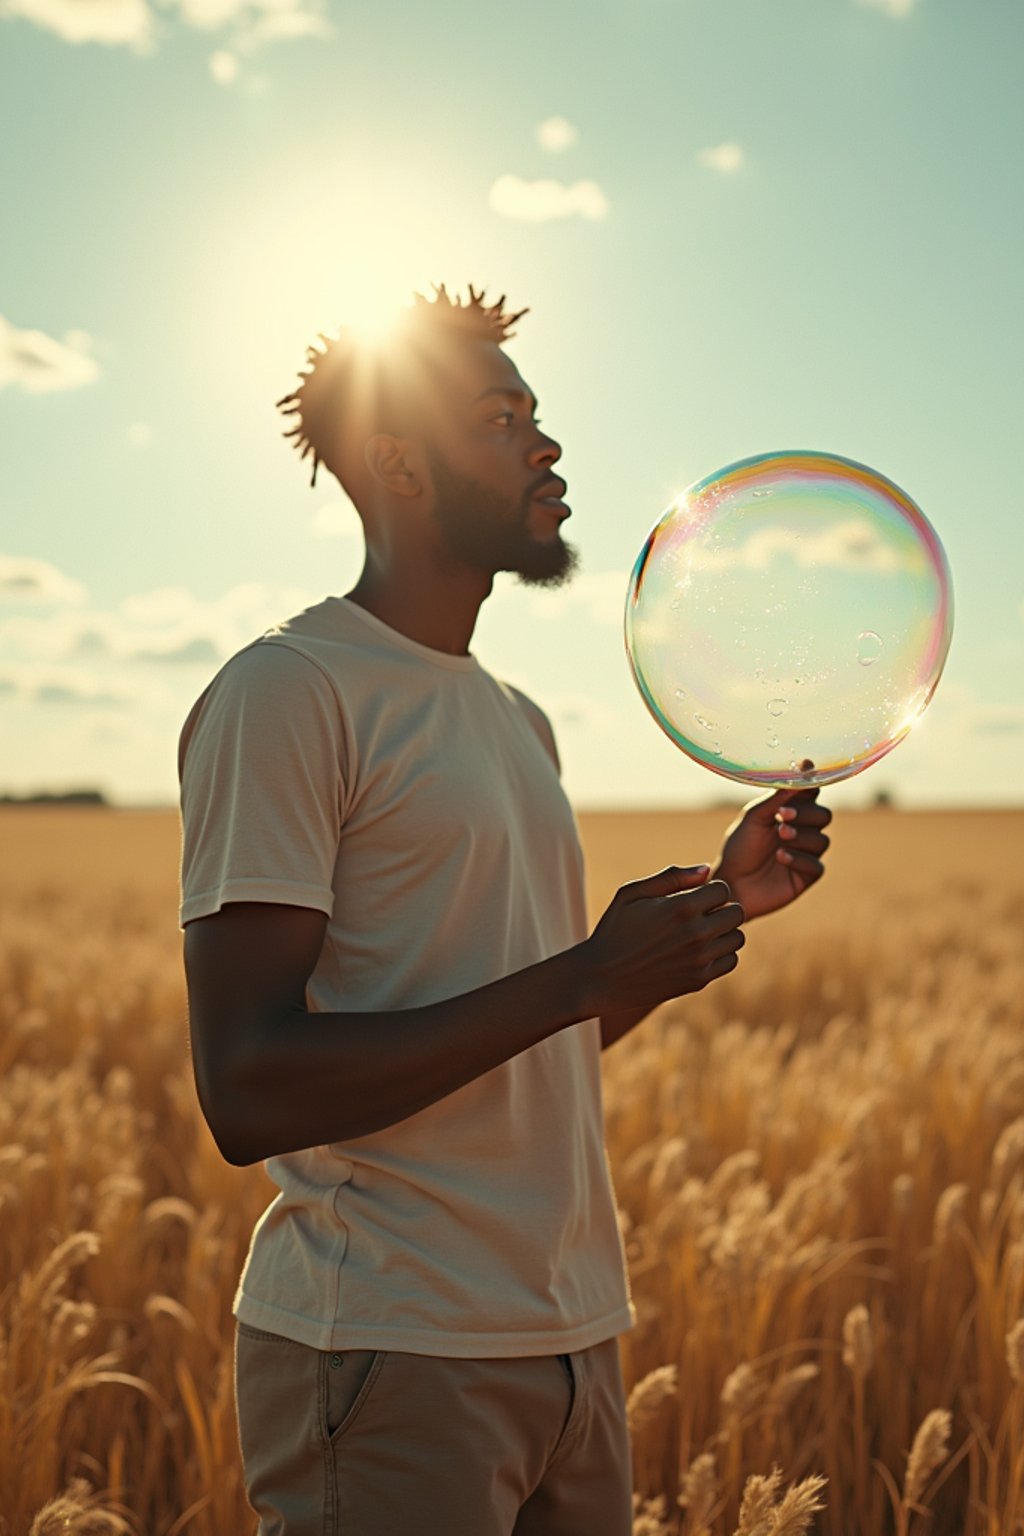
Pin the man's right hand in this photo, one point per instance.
(660, 938)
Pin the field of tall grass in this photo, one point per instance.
(819, 1164)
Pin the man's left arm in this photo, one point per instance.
(615, 1025)
(771, 854)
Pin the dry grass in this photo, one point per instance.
(819, 1164)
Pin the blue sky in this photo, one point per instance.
(740, 225)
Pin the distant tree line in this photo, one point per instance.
(67, 797)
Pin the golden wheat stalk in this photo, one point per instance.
(858, 1344)
(798, 1507)
(646, 1398)
(78, 1511)
(758, 1507)
(698, 1493)
(928, 1452)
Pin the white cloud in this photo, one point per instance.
(537, 201)
(254, 23)
(88, 639)
(556, 134)
(48, 684)
(168, 627)
(145, 660)
(164, 605)
(726, 158)
(22, 577)
(599, 596)
(223, 66)
(126, 23)
(851, 545)
(282, 26)
(896, 8)
(210, 15)
(74, 690)
(999, 720)
(581, 711)
(170, 623)
(38, 363)
(196, 651)
(133, 23)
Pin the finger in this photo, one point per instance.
(722, 967)
(803, 864)
(804, 838)
(811, 842)
(765, 810)
(715, 894)
(727, 944)
(804, 815)
(727, 919)
(667, 882)
(804, 812)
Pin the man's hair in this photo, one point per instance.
(351, 383)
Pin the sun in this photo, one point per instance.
(375, 316)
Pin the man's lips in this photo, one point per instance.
(550, 495)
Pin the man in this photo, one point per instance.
(394, 999)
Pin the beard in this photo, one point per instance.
(490, 532)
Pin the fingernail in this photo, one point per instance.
(784, 856)
(787, 813)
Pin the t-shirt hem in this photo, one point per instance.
(463, 1345)
(288, 893)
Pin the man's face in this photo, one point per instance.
(498, 501)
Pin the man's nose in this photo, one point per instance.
(545, 451)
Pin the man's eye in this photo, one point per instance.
(507, 418)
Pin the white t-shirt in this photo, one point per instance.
(414, 799)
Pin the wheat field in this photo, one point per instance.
(819, 1163)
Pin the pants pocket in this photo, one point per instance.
(347, 1379)
(261, 1335)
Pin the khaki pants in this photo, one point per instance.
(371, 1442)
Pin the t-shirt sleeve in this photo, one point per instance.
(262, 785)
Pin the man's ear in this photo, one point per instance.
(395, 464)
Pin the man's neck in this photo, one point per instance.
(436, 610)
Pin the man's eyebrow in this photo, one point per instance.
(510, 394)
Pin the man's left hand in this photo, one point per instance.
(774, 851)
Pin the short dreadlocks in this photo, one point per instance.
(345, 376)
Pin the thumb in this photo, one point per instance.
(763, 811)
(667, 882)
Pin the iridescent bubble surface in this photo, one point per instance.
(788, 619)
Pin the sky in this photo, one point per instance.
(740, 226)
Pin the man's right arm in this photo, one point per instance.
(273, 1077)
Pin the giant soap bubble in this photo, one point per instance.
(788, 619)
